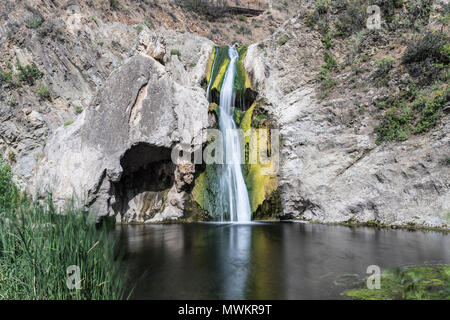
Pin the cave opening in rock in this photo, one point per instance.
(148, 174)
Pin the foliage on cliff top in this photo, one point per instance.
(38, 243)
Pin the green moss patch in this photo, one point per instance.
(409, 283)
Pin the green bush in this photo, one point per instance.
(330, 62)
(68, 123)
(244, 30)
(428, 57)
(384, 65)
(43, 91)
(282, 40)
(434, 45)
(39, 242)
(114, 4)
(242, 18)
(411, 113)
(78, 109)
(5, 77)
(322, 6)
(396, 125)
(212, 9)
(351, 18)
(11, 101)
(175, 52)
(327, 41)
(34, 22)
(28, 73)
(139, 28)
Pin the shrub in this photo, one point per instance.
(428, 56)
(43, 92)
(114, 4)
(5, 77)
(322, 6)
(9, 193)
(311, 20)
(67, 123)
(28, 73)
(242, 18)
(139, 28)
(78, 109)
(384, 65)
(327, 41)
(11, 101)
(429, 108)
(210, 8)
(434, 45)
(282, 40)
(352, 18)
(175, 52)
(396, 125)
(330, 62)
(244, 30)
(38, 243)
(410, 112)
(34, 22)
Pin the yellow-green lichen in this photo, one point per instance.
(260, 185)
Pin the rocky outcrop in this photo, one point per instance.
(332, 170)
(117, 155)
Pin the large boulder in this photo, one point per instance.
(117, 156)
(331, 169)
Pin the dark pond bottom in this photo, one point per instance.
(265, 260)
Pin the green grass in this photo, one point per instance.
(411, 112)
(410, 283)
(39, 242)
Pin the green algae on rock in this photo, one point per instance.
(409, 283)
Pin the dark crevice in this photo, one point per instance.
(146, 169)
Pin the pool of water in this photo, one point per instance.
(273, 260)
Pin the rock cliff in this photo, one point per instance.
(93, 101)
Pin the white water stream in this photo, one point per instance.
(231, 177)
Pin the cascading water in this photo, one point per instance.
(231, 178)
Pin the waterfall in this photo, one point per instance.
(231, 177)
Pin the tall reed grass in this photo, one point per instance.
(39, 242)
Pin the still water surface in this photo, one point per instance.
(274, 260)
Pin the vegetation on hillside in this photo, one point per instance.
(417, 78)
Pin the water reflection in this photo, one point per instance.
(264, 260)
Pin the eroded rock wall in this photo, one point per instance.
(332, 169)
